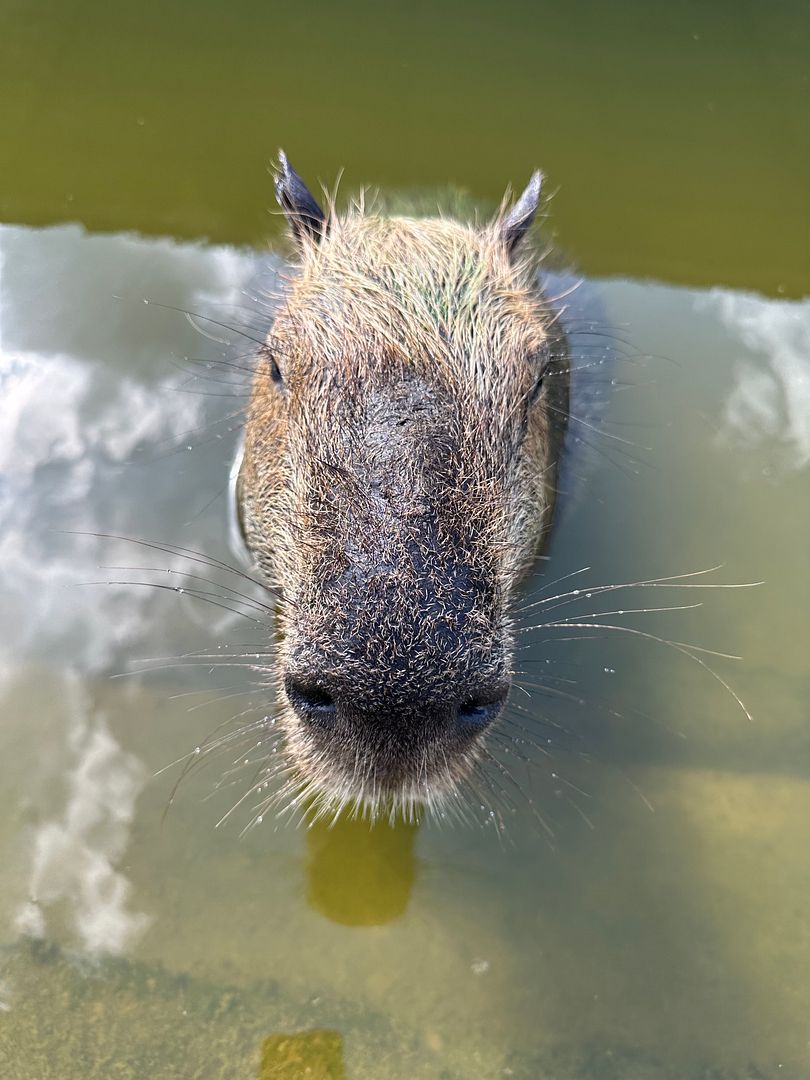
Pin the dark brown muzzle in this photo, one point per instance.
(400, 686)
(335, 704)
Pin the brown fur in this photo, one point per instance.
(397, 486)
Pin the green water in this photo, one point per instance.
(642, 912)
(676, 134)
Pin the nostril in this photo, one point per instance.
(310, 700)
(476, 714)
(479, 710)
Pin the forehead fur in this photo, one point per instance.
(422, 292)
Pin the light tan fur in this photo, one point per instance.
(405, 457)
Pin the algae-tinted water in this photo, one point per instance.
(643, 911)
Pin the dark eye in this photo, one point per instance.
(275, 370)
(538, 386)
(540, 368)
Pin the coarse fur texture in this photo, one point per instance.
(399, 479)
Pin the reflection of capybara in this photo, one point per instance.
(307, 1055)
(360, 874)
(399, 477)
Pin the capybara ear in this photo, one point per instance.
(514, 226)
(306, 219)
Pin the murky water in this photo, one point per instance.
(636, 907)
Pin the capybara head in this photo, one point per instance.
(398, 480)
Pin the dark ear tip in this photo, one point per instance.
(305, 216)
(518, 220)
(530, 196)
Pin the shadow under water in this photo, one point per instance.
(360, 874)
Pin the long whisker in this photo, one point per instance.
(686, 648)
(197, 594)
(674, 581)
(618, 611)
(190, 315)
(238, 596)
(174, 549)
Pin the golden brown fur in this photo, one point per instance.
(398, 480)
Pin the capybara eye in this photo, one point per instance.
(275, 371)
(538, 386)
(541, 366)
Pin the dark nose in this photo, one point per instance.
(330, 704)
(311, 701)
(478, 711)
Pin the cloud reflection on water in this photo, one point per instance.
(770, 401)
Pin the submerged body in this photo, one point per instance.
(399, 478)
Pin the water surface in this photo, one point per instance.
(636, 905)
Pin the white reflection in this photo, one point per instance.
(52, 477)
(770, 400)
(75, 856)
(92, 406)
